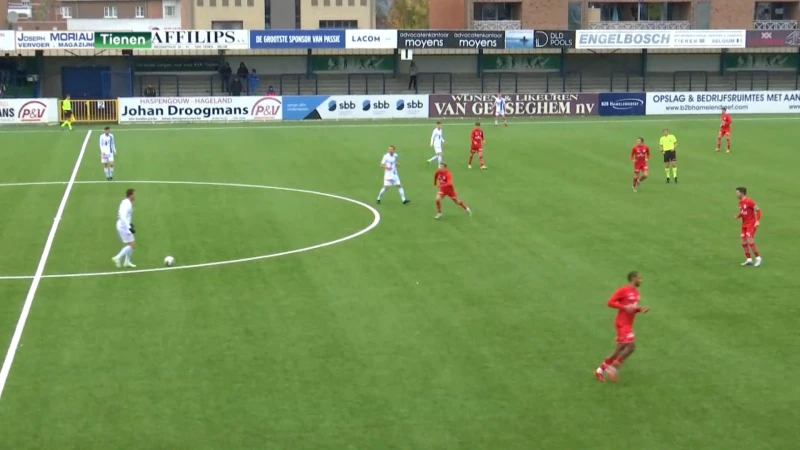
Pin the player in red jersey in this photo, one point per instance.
(444, 180)
(724, 130)
(640, 154)
(750, 214)
(476, 139)
(626, 301)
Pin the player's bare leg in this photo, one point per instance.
(728, 140)
(471, 155)
(438, 206)
(460, 203)
(110, 171)
(674, 172)
(480, 158)
(750, 250)
(719, 142)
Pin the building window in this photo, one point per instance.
(574, 15)
(65, 12)
(326, 2)
(109, 12)
(250, 3)
(297, 14)
(237, 3)
(495, 11)
(225, 3)
(338, 24)
(351, 2)
(227, 25)
(338, 2)
(138, 11)
(169, 10)
(267, 14)
(314, 2)
(770, 11)
(363, 2)
(702, 15)
(212, 3)
(199, 2)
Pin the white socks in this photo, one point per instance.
(126, 251)
(380, 194)
(436, 156)
(402, 193)
(111, 172)
(105, 171)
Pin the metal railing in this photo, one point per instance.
(693, 77)
(641, 25)
(750, 75)
(297, 79)
(496, 25)
(514, 76)
(366, 77)
(446, 75)
(772, 25)
(626, 83)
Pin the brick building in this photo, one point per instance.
(620, 14)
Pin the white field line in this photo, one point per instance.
(37, 277)
(401, 123)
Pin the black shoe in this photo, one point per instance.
(667, 180)
(110, 178)
(676, 180)
(378, 201)
(405, 202)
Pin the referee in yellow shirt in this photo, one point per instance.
(669, 145)
(66, 109)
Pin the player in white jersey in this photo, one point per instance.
(390, 176)
(500, 109)
(107, 151)
(125, 230)
(437, 140)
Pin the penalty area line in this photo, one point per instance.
(37, 277)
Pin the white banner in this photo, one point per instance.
(201, 39)
(200, 109)
(38, 40)
(651, 39)
(737, 102)
(7, 41)
(342, 107)
(370, 39)
(28, 111)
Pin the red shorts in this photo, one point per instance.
(640, 168)
(748, 231)
(447, 191)
(625, 334)
(476, 149)
(724, 131)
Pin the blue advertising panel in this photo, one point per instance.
(623, 104)
(296, 39)
(303, 107)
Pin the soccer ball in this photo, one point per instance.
(169, 261)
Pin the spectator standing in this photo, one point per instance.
(412, 75)
(236, 87)
(149, 91)
(252, 83)
(22, 68)
(242, 72)
(271, 92)
(225, 73)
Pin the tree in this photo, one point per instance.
(408, 14)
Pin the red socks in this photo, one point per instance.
(480, 157)
(438, 206)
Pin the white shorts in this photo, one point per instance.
(391, 180)
(437, 149)
(107, 158)
(500, 113)
(125, 234)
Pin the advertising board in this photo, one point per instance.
(199, 109)
(24, 111)
(343, 107)
(483, 105)
(737, 102)
(622, 104)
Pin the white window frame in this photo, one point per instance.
(65, 12)
(174, 14)
(110, 12)
(139, 11)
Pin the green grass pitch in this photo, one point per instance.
(464, 333)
